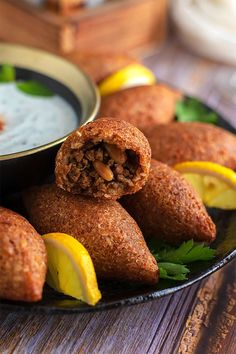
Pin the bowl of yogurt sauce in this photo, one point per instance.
(34, 124)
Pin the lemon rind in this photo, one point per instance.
(119, 79)
(208, 168)
(93, 295)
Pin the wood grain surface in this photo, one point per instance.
(200, 319)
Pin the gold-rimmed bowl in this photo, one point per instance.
(24, 168)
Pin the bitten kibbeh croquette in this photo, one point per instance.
(23, 259)
(112, 238)
(180, 142)
(168, 208)
(142, 106)
(101, 65)
(105, 159)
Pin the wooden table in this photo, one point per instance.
(199, 319)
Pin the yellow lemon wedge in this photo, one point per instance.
(70, 268)
(215, 183)
(131, 75)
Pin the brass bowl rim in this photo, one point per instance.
(91, 84)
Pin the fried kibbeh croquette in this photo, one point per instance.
(168, 208)
(180, 142)
(23, 259)
(105, 159)
(112, 238)
(142, 106)
(101, 65)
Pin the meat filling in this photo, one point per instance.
(102, 167)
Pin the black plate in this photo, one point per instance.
(116, 295)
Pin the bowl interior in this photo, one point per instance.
(55, 86)
(61, 76)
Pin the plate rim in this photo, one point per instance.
(129, 301)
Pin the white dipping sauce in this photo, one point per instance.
(31, 121)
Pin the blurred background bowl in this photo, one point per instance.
(207, 27)
(22, 169)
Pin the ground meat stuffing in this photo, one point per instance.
(103, 167)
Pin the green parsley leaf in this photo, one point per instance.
(34, 88)
(187, 252)
(172, 260)
(192, 110)
(173, 271)
(7, 73)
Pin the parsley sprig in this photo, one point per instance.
(7, 73)
(173, 271)
(34, 88)
(192, 110)
(29, 87)
(173, 261)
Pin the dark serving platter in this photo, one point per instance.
(121, 294)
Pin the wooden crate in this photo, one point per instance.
(115, 26)
(64, 6)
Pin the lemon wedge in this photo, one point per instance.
(215, 184)
(70, 268)
(131, 75)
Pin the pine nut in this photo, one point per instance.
(104, 171)
(115, 153)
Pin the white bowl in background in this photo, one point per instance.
(205, 30)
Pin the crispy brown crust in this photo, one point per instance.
(23, 259)
(112, 131)
(100, 65)
(168, 208)
(142, 106)
(110, 235)
(179, 142)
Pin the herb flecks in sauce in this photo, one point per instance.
(7, 73)
(32, 121)
(29, 87)
(34, 88)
